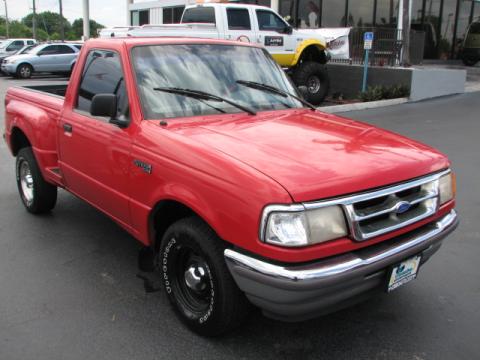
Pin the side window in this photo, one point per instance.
(103, 74)
(48, 50)
(238, 19)
(78, 46)
(199, 14)
(30, 42)
(64, 49)
(269, 21)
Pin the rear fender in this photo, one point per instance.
(38, 127)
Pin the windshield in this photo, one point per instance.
(3, 45)
(213, 69)
(31, 50)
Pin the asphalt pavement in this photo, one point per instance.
(69, 287)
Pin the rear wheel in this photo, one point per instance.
(24, 71)
(197, 281)
(314, 77)
(36, 194)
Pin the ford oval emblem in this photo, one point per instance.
(402, 207)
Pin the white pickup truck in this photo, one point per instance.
(302, 53)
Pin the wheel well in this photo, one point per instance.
(18, 140)
(313, 53)
(24, 63)
(164, 214)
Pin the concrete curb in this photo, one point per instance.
(472, 87)
(362, 105)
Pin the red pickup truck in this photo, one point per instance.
(206, 153)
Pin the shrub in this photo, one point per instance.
(381, 92)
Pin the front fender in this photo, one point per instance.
(321, 45)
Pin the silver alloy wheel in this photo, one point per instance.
(314, 84)
(26, 182)
(25, 71)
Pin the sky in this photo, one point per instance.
(106, 12)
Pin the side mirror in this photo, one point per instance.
(105, 105)
(303, 90)
(288, 30)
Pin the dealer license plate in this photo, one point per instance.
(403, 273)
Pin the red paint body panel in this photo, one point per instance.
(226, 168)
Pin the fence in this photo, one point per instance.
(387, 46)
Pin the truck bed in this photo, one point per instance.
(56, 89)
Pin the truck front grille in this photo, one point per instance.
(378, 212)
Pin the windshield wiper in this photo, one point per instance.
(201, 95)
(274, 90)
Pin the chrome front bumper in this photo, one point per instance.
(300, 292)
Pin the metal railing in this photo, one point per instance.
(387, 46)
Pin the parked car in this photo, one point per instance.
(238, 189)
(10, 46)
(471, 45)
(19, 52)
(56, 58)
(302, 52)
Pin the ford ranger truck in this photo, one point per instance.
(205, 152)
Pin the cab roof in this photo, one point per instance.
(130, 42)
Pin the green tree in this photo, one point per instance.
(48, 21)
(77, 28)
(16, 29)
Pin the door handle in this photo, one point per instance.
(67, 128)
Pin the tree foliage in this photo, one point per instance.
(48, 27)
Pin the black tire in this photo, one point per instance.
(210, 303)
(36, 194)
(24, 71)
(315, 77)
(469, 61)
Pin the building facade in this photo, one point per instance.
(443, 21)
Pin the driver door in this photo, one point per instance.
(272, 33)
(95, 155)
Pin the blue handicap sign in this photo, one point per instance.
(368, 36)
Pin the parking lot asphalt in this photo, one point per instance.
(69, 290)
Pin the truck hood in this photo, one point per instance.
(315, 155)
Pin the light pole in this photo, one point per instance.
(6, 18)
(86, 20)
(34, 22)
(62, 28)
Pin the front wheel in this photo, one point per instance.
(36, 194)
(314, 77)
(24, 71)
(197, 281)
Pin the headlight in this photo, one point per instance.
(11, 61)
(447, 187)
(293, 226)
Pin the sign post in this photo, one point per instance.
(367, 45)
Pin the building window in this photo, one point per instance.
(360, 13)
(333, 13)
(286, 8)
(172, 15)
(309, 14)
(387, 12)
(140, 17)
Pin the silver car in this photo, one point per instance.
(52, 58)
